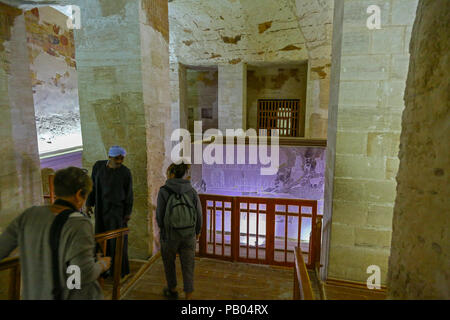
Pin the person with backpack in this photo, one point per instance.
(56, 243)
(179, 217)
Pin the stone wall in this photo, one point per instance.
(419, 266)
(286, 82)
(123, 72)
(262, 33)
(20, 170)
(367, 102)
(202, 98)
(315, 19)
(55, 83)
(154, 33)
(332, 133)
(178, 93)
(204, 32)
(232, 96)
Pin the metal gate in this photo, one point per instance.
(258, 230)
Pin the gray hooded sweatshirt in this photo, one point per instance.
(179, 186)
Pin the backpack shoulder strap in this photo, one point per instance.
(55, 235)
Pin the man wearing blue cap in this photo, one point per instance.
(112, 197)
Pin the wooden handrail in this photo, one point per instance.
(302, 283)
(102, 239)
(315, 244)
(51, 186)
(111, 234)
(9, 263)
(13, 264)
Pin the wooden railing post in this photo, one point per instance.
(102, 245)
(117, 267)
(202, 240)
(235, 229)
(102, 239)
(14, 283)
(318, 242)
(51, 187)
(13, 265)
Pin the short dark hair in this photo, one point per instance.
(179, 170)
(69, 180)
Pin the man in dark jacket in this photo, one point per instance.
(112, 196)
(175, 184)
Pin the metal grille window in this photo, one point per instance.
(282, 114)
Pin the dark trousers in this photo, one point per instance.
(186, 249)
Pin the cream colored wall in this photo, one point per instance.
(20, 177)
(286, 82)
(202, 93)
(123, 72)
(366, 104)
(234, 34)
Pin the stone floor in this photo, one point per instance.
(219, 280)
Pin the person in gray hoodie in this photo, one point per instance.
(177, 183)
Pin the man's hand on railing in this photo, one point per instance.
(105, 262)
(126, 219)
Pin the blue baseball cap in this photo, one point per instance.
(116, 151)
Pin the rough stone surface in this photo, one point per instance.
(156, 98)
(202, 98)
(315, 19)
(204, 32)
(123, 72)
(232, 97)
(420, 255)
(20, 176)
(258, 33)
(55, 84)
(363, 137)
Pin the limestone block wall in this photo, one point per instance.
(366, 125)
(315, 19)
(108, 50)
(55, 83)
(202, 98)
(178, 93)
(232, 96)
(286, 82)
(420, 254)
(20, 177)
(331, 132)
(154, 35)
